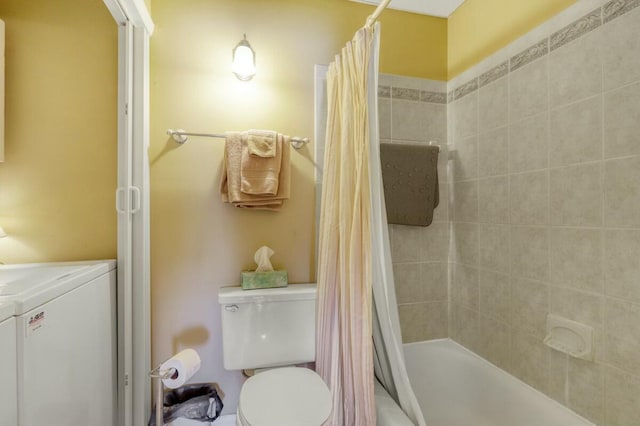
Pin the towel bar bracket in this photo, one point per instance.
(298, 142)
(181, 136)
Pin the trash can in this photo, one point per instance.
(198, 401)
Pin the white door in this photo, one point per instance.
(125, 205)
(132, 200)
(132, 203)
(140, 232)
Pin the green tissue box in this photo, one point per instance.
(254, 280)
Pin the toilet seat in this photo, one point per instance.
(288, 396)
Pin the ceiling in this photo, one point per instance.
(439, 8)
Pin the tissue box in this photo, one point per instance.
(254, 280)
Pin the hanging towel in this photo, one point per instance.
(230, 182)
(262, 143)
(410, 180)
(259, 172)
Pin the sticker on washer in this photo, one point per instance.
(35, 323)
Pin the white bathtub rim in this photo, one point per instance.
(503, 373)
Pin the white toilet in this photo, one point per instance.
(274, 329)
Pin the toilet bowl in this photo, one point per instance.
(288, 396)
(274, 329)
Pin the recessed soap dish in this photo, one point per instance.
(570, 337)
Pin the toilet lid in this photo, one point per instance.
(288, 396)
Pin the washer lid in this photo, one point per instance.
(28, 286)
(289, 396)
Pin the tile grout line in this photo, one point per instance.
(509, 244)
(550, 150)
(549, 154)
(477, 208)
(603, 198)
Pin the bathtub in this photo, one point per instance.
(455, 387)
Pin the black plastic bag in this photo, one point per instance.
(198, 401)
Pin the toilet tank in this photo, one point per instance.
(268, 327)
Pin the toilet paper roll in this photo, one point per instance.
(186, 364)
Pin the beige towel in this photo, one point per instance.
(259, 174)
(262, 143)
(230, 182)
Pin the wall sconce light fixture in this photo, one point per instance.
(244, 60)
(2, 233)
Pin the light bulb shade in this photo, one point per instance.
(2, 233)
(244, 61)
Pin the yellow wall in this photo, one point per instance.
(479, 28)
(59, 175)
(411, 45)
(198, 243)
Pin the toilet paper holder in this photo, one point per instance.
(158, 374)
(173, 373)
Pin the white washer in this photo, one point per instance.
(8, 399)
(66, 347)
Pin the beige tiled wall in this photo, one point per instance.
(415, 111)
(546, 210)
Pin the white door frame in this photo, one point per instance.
(132, 204)
(141, 291)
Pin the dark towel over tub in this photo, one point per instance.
(410, 180)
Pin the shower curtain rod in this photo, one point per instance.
(180, 136)
(376, 13)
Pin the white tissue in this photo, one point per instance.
(262, 259)
(186, 363)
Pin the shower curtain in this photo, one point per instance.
(354, 265)
(390, 369)
(344, 349)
